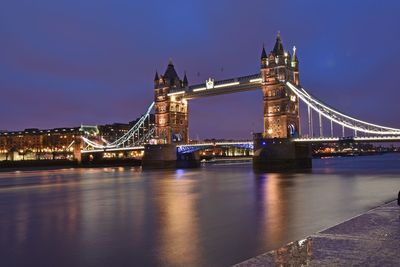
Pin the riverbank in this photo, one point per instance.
(369, 239)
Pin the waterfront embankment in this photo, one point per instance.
(369, 239)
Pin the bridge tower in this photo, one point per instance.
(171, 111)
(281, 106)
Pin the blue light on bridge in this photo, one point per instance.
(185, 149)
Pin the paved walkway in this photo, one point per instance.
(370, 239)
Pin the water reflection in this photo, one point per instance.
(214, 216)
(272, 208)
(178, 222)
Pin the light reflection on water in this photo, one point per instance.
(213, 216)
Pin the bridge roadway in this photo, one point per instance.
(188, 148)
(359, 139)
(180, 148)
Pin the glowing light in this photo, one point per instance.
(336, 139)
(113, 149)
(376, 138)
(210, 83)
(334, 115)
(293, 98)
(129, 135)
(225, 85)
(176, 93)
(317, 139)
(269, 131)
(195, 147)
(200, 89)
(258, 80)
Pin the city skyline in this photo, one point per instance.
(98, 73)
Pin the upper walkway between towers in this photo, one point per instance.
(212, 87)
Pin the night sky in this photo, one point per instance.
(67, 62)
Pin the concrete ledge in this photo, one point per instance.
(370, 239)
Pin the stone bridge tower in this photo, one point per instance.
(281, 106)
(171, 111)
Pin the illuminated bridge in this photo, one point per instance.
(283, 94)
(363, 131)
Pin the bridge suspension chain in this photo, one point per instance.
(344, 120)
(135, 136)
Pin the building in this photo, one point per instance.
(35, 144)
(111, 132)
(60, 143)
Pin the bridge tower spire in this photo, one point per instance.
(281, 106)
(185, 82)
(264, 57)
(171, 111)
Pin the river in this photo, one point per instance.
(217, 215)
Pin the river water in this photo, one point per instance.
(217, 215)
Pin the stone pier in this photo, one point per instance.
(280, 154)
(166, 157)
(162, 156)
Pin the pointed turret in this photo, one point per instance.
(170, 73)
(156, 80)
(263, 53)
(278, 48)
(185, 80)
(295, 60)
(264, 58)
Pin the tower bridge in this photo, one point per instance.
(279, 82)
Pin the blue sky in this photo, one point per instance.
(67, 62)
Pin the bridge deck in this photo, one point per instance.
(249, 144)
(362, 139)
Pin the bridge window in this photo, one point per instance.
(161, 108)
(276, 108)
